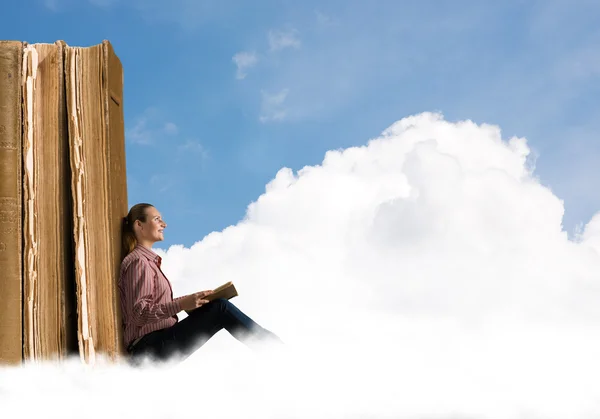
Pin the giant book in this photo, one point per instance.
(49, 320)
(10, 203)
(94, 85)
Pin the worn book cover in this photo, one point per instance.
(226, 291)
(11, 342)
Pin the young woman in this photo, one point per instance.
(149, 311)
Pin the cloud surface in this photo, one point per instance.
(425, 274)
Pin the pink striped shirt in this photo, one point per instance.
(147, 302)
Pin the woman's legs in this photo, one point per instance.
(191, 333)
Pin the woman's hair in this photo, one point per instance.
(137, 212)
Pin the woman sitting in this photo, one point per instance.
(149, 311)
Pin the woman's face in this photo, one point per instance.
(152, 230)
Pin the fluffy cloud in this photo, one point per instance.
(591, 234)
(425, 274)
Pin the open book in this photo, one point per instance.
(227, 291)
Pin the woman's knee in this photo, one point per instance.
(220, 304)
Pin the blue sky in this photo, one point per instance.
(219, 95)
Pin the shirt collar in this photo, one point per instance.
(149, 254)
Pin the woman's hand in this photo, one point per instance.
(195, 300)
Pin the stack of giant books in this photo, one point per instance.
(63, 193)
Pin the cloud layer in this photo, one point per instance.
(425, 274)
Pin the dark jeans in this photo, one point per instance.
(186, 336)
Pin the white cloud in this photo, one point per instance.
(279, 40)
(150, 127)
(272, 106)
(425, 274)
(244, 60)
(590, 235)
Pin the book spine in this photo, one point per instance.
(112, 91)
(11, 320)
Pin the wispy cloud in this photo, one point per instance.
(188, 15)
(272, 106)
(149, 127)
(324, 20)
(51, 4)
(103, 3)
(162, 182)
(279, 40)
(581, 64)
(244, 60)
(58, 5)
(194, 147)
(170, 128)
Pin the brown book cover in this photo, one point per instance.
(11, 342)
(226, 291)
(94, 84)
(48, 280)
